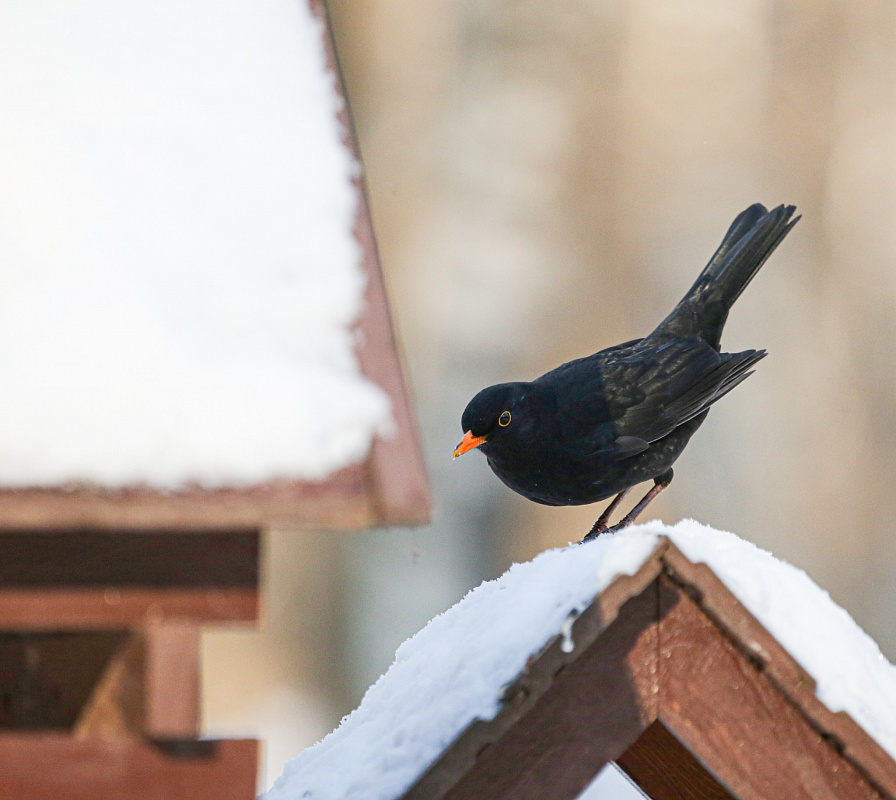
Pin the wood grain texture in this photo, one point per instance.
(667, 660)
(61, 767)
(780, 668)
(661, 766)
(562, 722)
(744, 730)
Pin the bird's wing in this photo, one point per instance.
(652, 390)
(617, 402)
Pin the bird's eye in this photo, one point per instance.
(504, 419)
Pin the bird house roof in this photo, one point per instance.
(193, 324)
(693, 659)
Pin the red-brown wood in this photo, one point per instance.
(84, 579)
(779, 667)
(171, 681)
(396, 466)
(79, 609)
(742, 727)
(344, 500)
(116, 706)
(745, 731)
(568, 717)
(719, 710)
(61, 767)
(664, 770)
(153, 558)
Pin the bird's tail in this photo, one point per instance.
(750, 240)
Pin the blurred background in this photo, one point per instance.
(547, 179)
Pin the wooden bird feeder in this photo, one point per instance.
(103, 592)
(677, 683)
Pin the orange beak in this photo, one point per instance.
(469, 442)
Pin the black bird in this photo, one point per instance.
(596, 426)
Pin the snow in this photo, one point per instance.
(453, 671)
(178, 274)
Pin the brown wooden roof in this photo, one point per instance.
(674, 680)
(389, 487)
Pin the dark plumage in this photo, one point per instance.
(595, 427)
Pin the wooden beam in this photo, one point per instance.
(150, 689)
(664, 769)
(570, 715)
(140, 683)
(396, 468)
(185, 559)
(781, 670)
(113, 609)
(61, 767)
(116, 707)
(725, 711)
(82, 579)
(171, 681)
(342, 501)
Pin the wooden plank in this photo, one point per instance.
(661, 766)
(171, 681)
(343, 501)
(113, 608)
(61, 767)
(130, 558)
(397, 470)
(563, 720)
(150, 689)
(79, 579)
(741, 727)
(839, 729)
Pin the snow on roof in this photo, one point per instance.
(453, 671)
(178, 273)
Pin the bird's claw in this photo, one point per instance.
(596, 531)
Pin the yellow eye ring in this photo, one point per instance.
(504, 419)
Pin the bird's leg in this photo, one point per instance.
(601, 525)
(659, 484)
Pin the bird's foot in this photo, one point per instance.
(600, 526)
(596, 530)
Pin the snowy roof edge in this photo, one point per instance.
(396, 465)
(717, 602)
(388, 487)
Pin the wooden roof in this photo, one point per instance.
(389, 487)
(675, 681)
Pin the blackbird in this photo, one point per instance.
(594, 427)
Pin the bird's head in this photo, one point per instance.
(494, 414)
